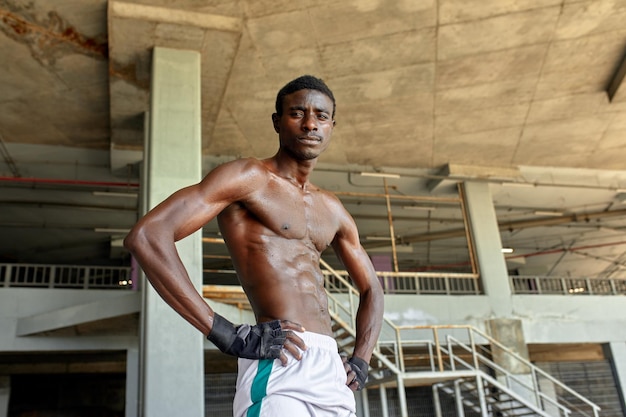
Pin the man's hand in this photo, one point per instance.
(356, 372)
(262, 341)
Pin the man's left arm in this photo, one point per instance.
(371, 305)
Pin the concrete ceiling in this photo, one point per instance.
(503, 91)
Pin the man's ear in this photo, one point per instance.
(275, 122)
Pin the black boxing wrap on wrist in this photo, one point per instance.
(361, 369)
(261, 341)
(223, 333)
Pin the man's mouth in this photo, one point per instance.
(309, 138)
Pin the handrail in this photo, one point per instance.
(65, 276)
(441, 351)
(394, 283)
(342, 285)
(539, 285)
(511, 393)
(351, 312)
(448, 283)
(452, 283)
(497, 367)
(537, 369)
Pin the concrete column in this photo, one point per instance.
(488, 246)
(5, 394)
(132, 383)
(171, 349)
(617, 352)
(362, 404)
(510, 334)
(548, 389)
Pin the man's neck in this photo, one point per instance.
(297, 171)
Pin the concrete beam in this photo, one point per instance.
(174, 16)
(128, 303)
(451, 174)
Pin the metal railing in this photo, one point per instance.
(417, 283)
(524, 284)
(65, 276)
(431, 283)
(476, 350)
(405, 351)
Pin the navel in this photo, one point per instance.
(285, 226)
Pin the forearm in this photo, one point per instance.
(167, 274)
(368, 322)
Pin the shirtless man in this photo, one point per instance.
(275, 224)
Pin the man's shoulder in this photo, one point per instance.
(249, 166)
(244, 162)
(238, 177)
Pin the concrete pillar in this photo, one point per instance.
(132, 383)
(5, 394)
(363, 405)
(171, 349)
(548, 389)
(488, 247)
(510, 334)
(617, 354)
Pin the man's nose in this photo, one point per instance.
(309, 122)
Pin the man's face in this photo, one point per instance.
(305, 127)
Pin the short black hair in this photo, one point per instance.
(304, 82)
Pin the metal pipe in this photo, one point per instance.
(69, 182)
(458, 398)
(437, 401)
(438, 348)
(391, 231)
(399, 197)
(468, 233)
(404, 412)
(481, 396)
(383, 400)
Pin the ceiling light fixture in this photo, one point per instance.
(424, 208)
(379, 174)
(113, 194)
(519, 184)
(548, 213)
(507, 250)
(377, 238)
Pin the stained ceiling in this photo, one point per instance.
(526, 95)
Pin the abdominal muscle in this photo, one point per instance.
(282, 280)
(277, 263)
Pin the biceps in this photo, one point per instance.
(183, 213)
(356, 261)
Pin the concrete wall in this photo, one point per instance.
(17, 303)
(546, 319)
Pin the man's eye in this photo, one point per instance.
(323, 116)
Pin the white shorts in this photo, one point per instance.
(314, 386)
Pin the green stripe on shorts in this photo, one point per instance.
(259, 385)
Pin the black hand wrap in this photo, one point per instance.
(360, 368)
(261, 341)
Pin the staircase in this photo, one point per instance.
(456, 361)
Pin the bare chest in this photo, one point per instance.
(293, 213)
